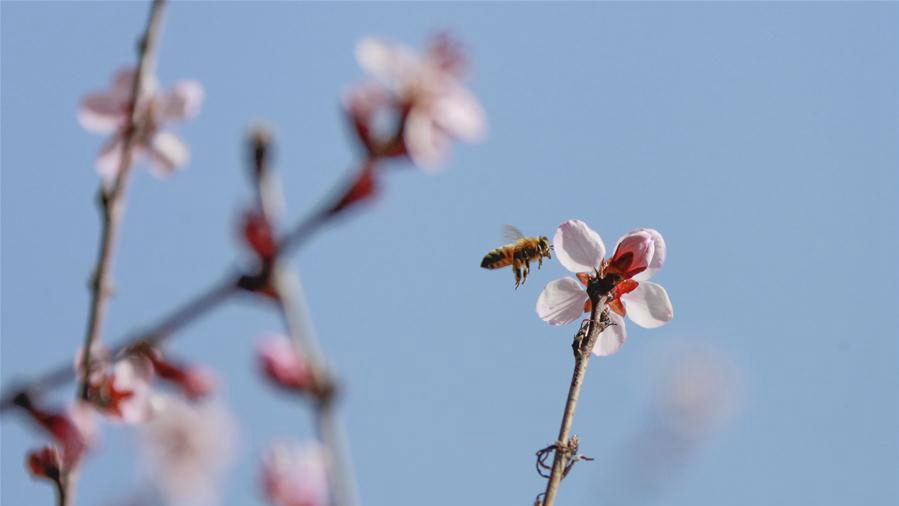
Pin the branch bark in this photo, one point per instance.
(583, 350)
(297, 324)
(112, 197)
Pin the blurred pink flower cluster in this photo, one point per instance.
(108, 112)
(296, 475)
(421, 96)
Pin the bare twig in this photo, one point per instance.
(198, 305)
(292, 308)
(112, 197)
(565, 448)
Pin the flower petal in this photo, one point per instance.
(109, 160)
(648, 305)
(612, 338)
(460, 115)
(632, 254)
(133, 374)
(578, 247)
(658, 256)
(167, 153)
(102, 113)
(426, 144)
(387, 61)
(561, 301)
(182, 102)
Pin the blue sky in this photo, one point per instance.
(759, 138)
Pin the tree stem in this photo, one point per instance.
(112, 198)
(583, 348)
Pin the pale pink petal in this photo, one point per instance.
(109, 161)
(167, 153)
(660, 251)
(648, 305)
(133, 374)
(182, 102)
(282, 364)
(561, 301)
(123, 82)
(102, 113)
(578, 247)
(460, 115)
(188, 449)
(632, 254)
(296, 475)
(612, 338)
(426, 144)
(391, 63)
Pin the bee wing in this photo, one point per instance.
(511, 233)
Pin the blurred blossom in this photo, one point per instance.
(188, 448)
(121, 389)
(74, 430)
(295, 475)
(107, 112)
(46, 463)
(423, 92)
(194, 381)
(696, 394)
(638, 255)
(282, 364)
(258, 233)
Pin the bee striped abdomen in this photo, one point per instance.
(497, 258)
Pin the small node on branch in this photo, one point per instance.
(260, 141)
(363, 188)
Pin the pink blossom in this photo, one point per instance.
(195, 381)
(107, 112)
(295, 475)
(424, 91)
(46, 463)
(188, 448)
(623, 278)
(283, 365)
(74, 430)
(121, 389)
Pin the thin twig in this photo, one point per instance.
(112, 198)
(583, 347)
(293, 310)
(195, 307)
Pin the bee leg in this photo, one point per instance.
(516, 268)
(527, 270)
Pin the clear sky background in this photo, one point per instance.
(759, 138)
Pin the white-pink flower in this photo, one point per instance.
(296, 475)
(107, 112)
(427, 93)
(120, 389)
(188, 448)
(282, 364)
(622, 278)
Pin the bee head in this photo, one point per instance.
(546, 246)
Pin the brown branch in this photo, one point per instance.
(183, 315)
(583, 349)
(293, 310)
(112, 198)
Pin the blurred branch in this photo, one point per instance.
(195, 307)
(292, 308)
(565, 448)
(112, 197)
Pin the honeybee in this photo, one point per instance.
(518, 253)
